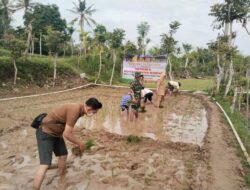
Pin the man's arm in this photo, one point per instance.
(68, 134)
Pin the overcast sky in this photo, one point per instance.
(196, 27)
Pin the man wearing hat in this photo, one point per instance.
(136, 87)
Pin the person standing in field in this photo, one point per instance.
(136, 87)
(173, 87)
(57, 125)
(160, 90)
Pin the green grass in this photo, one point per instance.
(133, 139)
(197, 84)
(186, 84)
(239, 123)
(89, 143)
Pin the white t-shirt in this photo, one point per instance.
(145, 91)
(174, 84)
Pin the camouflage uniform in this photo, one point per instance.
(136, 87)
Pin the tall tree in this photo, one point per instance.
(16, 47)
(71, 30)
(168, 44)
(27, 5)
(115, 41)
(155, 51)
(43, 16)
(130, 49)
(100, 33)
(84, 15)
(226, 14)
(7, 9)
(2, 28)
(187, 48)
(54, 40)
(142, 40)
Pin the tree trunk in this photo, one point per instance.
(231, 74)
(33, 45)
(16, 70)
(113, 70)
(186, 63)
(72, 47)
(219, 74)
(170, 68)
(64, 49)
(100, 66)
(40, 43)
(55, 67)
(29, 39)
(234, 100)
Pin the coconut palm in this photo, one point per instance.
(84, 15)
(24, 4)
(168, 44)
(7, 10)
(142, 40)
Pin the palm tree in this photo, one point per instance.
(100, 37)
(143, 30)
(168, 44)
(187, 48)
(84, 15)
(116, 39)
(7, 10)
(24, 4)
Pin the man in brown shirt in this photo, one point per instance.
(57, 124)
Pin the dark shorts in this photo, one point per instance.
(148, 96)
(170, 87)
(48, 144)
(124, 107)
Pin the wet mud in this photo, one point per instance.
(174, 151)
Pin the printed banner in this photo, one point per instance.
(151, 69)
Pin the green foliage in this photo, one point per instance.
(89, 143)
(130, 49)
(42, 17)
(230, 10)
(4, 52)
(54, 40)
(14, 45)
(100, 34)
(187, 47)
(240, 124)
(37, 70)
(142, 40)
(116, 38)
(174, 26)
(155, 51)
(84, 12)
(133, 139)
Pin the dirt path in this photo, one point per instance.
(223, 160)
(167, 162)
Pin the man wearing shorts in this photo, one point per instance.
(57, 124)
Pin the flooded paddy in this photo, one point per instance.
(171, 154)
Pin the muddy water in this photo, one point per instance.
(187, 125)
(113, 163)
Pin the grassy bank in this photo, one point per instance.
(186, 84)
(243, 129)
